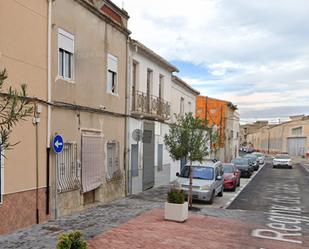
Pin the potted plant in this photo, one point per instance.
(176, 208)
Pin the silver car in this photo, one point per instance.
(260, 156)
(207, 182)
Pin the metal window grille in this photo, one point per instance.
(68, 175)
(112, 159)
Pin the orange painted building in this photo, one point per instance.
(212, 110)
(223, 115)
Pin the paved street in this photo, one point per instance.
(229, 196)
(283, 195)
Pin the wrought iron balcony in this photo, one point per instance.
(149, 105)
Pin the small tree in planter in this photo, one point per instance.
(176, 208)
(189, 137)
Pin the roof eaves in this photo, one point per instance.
(154, 55)
(182, 83)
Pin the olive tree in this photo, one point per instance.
(14, 107)
(189, 137)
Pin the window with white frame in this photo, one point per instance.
(190, 106)
(65, 54)
(297, 131)
(112, 74)
(182, 106)
(113, 167)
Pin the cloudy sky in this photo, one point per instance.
(253, 53)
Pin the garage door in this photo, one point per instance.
(296, 146)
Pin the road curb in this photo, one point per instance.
(242, 188)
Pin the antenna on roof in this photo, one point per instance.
(122, 4)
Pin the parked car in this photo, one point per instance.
(282, 160)
(254, 161)
(250, 150)
(243, 164)
(260, 156)
(231, 176)
(207, 180)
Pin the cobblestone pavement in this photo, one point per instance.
(91, 222)
(101, 218)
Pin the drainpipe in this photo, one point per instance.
(36, 121)
(127, 125)
(49, 37)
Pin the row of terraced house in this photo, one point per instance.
(108, 95)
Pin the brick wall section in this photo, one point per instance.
(19, 210)
(215, 110)
(112, 14)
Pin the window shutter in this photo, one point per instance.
(65, 41)
(92, 162)
(112, 63)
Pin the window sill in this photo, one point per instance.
(113, 94)
(71, 81)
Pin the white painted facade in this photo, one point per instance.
(140, 61)
(181, 91)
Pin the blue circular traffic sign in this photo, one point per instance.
(58, 144)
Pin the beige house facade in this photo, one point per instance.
(23, 52)
(89, 77)
(232, 134)
(289, 137)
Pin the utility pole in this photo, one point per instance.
(206, 108)
(268, 143)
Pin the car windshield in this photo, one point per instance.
(252, 156)
(240, 161)
(198, 172)
(228, 169)
(282, 157)
(258, 154)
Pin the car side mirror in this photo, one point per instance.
(219, 177)
(177, 174)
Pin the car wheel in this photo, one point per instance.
(221, 193)
(212, 198)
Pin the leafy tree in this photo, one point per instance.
(14, 107)
(189, 137)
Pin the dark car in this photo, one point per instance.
(254, 160)
(231, 176)
(243, 164)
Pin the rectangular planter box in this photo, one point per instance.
(176, 212)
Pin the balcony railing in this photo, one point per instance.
(143, 103)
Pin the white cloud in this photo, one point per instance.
(255, 53)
